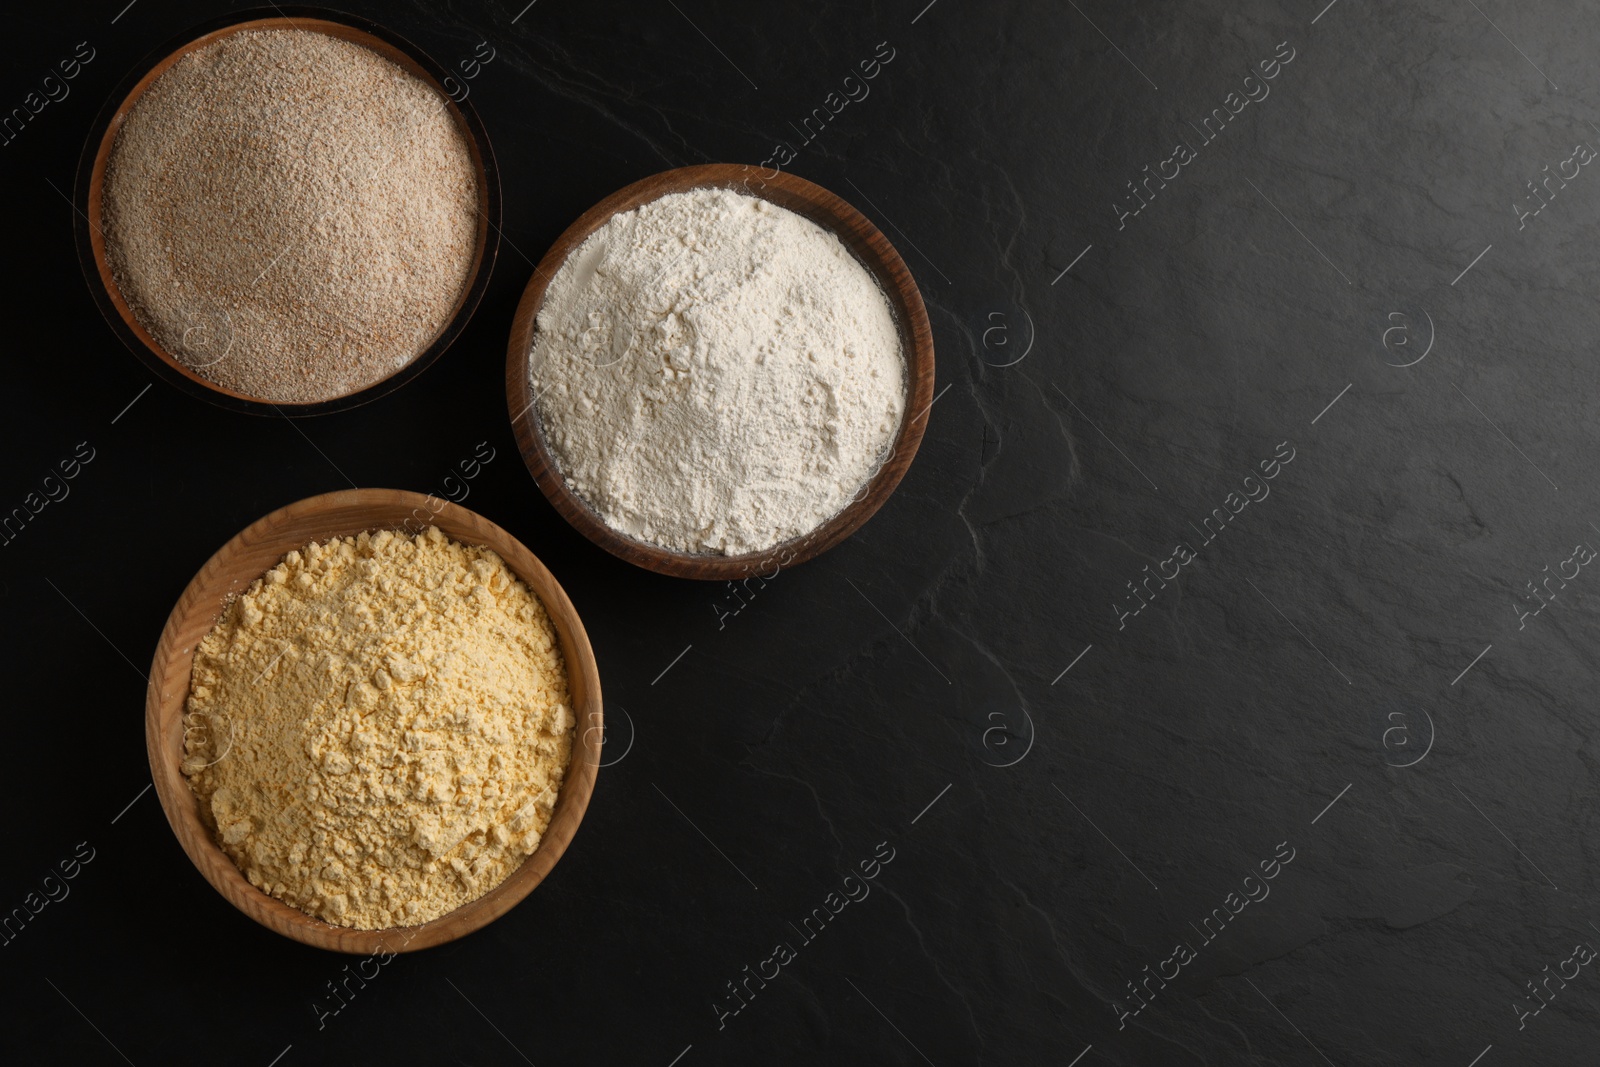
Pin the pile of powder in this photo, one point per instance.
(378, 727)
(291, 215)
(716, 374)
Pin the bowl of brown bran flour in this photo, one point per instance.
(374, 721)
(287, 212)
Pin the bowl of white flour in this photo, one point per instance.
(719, 371)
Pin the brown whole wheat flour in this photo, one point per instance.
(378, 727)
(291, 215)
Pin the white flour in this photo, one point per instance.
(715, 373)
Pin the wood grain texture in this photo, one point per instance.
(870, 248)
(230, 571)
(91, 183)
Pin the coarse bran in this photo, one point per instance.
(378, 728)
(291, 215)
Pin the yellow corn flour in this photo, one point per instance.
(378, 727)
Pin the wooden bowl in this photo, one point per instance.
(870, 248)
(251, 553)
(91, 178)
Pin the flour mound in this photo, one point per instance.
(291, 215)
(379, 727)
(716, 374)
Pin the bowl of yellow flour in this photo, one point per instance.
(374, 721)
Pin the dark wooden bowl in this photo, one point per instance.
(97, 149)
(870, 248)
(255, 550)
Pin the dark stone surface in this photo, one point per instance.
(1052, 833)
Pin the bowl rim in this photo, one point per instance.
(88, 186)
(200, 605)
(869, 247)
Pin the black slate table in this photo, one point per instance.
(1216, 689)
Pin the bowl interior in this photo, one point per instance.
(92, 245)
(244, 559)
(870, 248)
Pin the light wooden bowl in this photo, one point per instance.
(870, 248)
(91, 180)
(258, 548)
